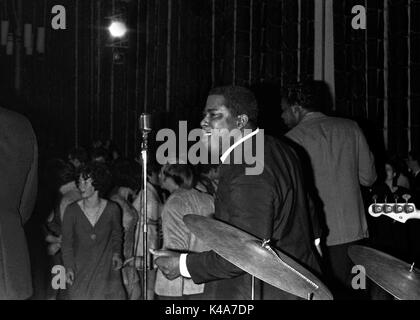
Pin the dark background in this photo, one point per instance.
(74, 92)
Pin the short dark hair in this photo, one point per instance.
(182, 174)
(308, 94)
(239, 100)
(100, 175)
(79, 154)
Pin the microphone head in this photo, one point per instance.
(145, 122)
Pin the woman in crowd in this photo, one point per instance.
(92, 239)
(183, 200)
(127, 180)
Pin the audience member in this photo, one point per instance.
(92, 240)
(178, 180)
(127, 180)
(154, 236)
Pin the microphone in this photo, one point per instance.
(145, 122)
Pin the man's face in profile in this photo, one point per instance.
(217, 124)
(289, 114)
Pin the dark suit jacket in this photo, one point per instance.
(273, 206)
(18, 187)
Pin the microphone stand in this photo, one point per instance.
(144, 207)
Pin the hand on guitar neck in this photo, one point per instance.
(401, 212)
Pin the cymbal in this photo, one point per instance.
(390, 273)
(265, 263)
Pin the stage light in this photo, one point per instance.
(117, 29)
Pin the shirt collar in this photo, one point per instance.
(312, 115)
(237, 143)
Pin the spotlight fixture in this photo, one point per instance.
(117, 29)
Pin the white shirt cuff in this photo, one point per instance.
(317, 242)
(183, 266)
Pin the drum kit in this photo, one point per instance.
(256, 257)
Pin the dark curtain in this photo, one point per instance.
(82, 89)
(361, 84)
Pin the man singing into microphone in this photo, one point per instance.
(271, 205)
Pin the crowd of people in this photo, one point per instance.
(308, 201)
(95, 229)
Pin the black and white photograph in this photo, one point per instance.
(211, 151)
